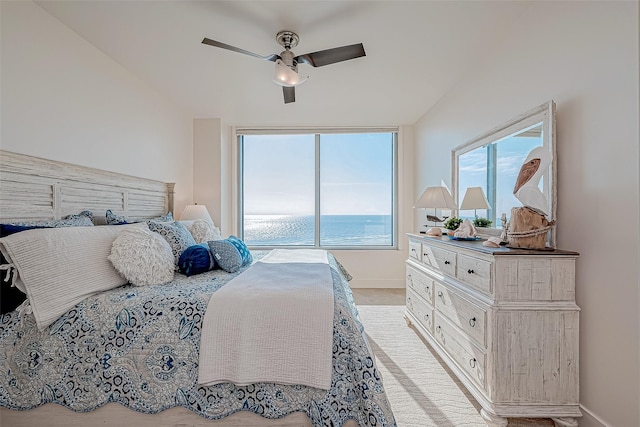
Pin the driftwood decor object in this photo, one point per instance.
(528, 229)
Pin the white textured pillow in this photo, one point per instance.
(59, 267)
(204, 231)
(142, 257)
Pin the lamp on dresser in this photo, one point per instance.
(437, 198)
(475, 199)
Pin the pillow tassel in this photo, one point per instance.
(10, 269)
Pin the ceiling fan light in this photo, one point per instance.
(285, 76)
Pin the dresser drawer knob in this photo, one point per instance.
(440, 294)
(426, 317)
(447, 262)
(472, 362)
(438, 328)
(472, 322)
(470, 271)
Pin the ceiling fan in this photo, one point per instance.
(286, 71)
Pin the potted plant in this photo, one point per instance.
(482, 222)
(452, 224)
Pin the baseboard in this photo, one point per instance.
(589, 419)
(377, 284)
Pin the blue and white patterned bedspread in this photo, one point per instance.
(138, 346)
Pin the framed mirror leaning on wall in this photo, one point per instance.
(493, 161)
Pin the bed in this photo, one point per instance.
(130, 353)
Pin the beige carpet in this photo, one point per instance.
(421, 389)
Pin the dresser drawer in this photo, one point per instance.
(475, 272)
(463, 313)
(415, 250)
(420, 283)
(467, 355)
(439, 259)
(422, 311)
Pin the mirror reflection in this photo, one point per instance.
(485, 169)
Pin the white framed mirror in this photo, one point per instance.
(493, 161)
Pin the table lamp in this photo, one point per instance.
(195, 211)
(436, 198)
(475, 199)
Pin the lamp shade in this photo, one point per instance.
(474, 198)
(286, 76)
(436, 197)
(193, 212)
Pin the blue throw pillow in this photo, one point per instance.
(226, 255)
(196, 259)
(247, 258)
(230, 254)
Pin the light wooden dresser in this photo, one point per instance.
(504, 320)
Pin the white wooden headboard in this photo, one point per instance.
(32, 188)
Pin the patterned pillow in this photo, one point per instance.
(242, 248)
(196, 259)
(113, 219)
(83, 219)
(203, 231)
(226, 255)
(142, 257)
(175, 234)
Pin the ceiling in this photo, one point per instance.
(415, 52)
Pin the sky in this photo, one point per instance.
(356, 172)
(512, 152)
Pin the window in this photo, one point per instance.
(318, 189)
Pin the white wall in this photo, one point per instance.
(583, 55)
(207, 177)
(62, 99)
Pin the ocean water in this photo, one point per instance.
(335, 230)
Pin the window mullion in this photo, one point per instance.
(317, 178)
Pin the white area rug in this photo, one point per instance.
(421, 389)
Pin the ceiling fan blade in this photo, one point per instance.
(289, 93)
(210, 42)
(331, 56)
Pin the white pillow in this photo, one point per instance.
(204, 231)
(59, 267)
(142, 257)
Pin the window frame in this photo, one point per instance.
(318, 132)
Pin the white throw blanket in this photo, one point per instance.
(273, 323)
